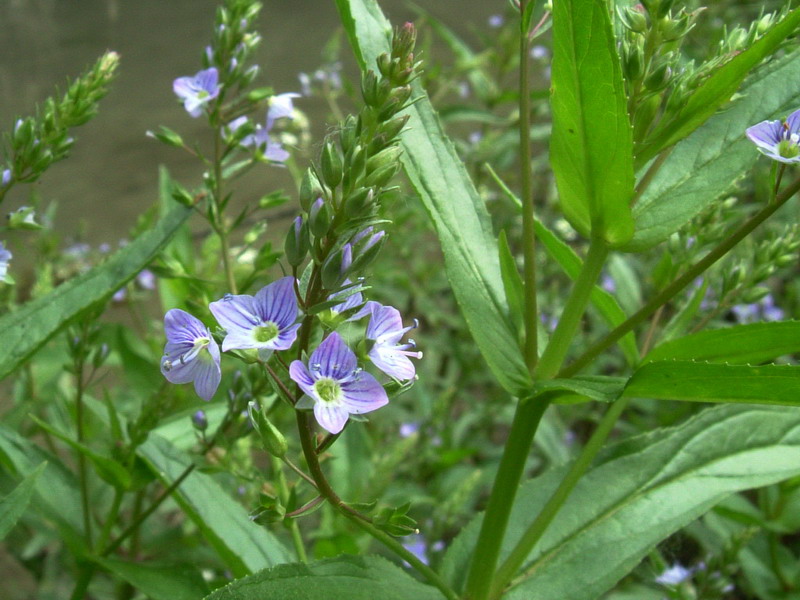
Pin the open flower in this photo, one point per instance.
(280, 106)
(778, 139)
(385, 330)
(191, 354)
(195, 92)
(266, 321)
(336, 385)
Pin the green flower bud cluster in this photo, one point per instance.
(658, 79)
(743, 282)
(37, 142)
(233, 45)
(340, 195)
(651, 61)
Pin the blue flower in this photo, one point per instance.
(191, 354)
(5, 256)
(266, 321)
(280, 106)
(778, 140)
(335, 384)
(195, 92)
(385, 330)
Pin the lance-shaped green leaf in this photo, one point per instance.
(26, 329)
(742, 344)
(351, 577)
(56, 496)
(14, 504)
(107, 468)
(591, 148)
(716, 90)
(242, 544)
(457, 211)
(702, 168)
(708, 382)
(639, 492)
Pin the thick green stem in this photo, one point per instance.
(534, 532)
(571, 316)
(501, 500)
(530, 315)
(682, 281)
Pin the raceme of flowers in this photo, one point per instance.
(333, 383)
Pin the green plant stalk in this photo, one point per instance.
(531, 314)
(283, 492)
(535, 531)
(219, 226)
(556, 350)
(682, 281)
(501, 500)
(111, 519)
(87, 515)
(526, 421)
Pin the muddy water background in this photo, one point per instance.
(111, 176)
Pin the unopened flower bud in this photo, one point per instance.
(199, 420)
(348, 134)
(310, 189)
(396, 102)
(366, 250)
(331, 165)
(385, 64)
(382, 176)
(271, 437)
(633, 63)
(659, 78)
(369, 89)
(391, 129)
(404, 40)
(332, 277)
(167, 136)
(632, 19)
(387, 157)
(355, 164)
(319, 218)
(297, 242)
(358, 202)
